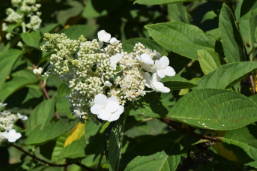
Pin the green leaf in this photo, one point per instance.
(243, 143)
(226, 75)
(48, 28)
(159, 155)
(214, 33)
(7, 60)
(177, 82)
(31, 39)
(181, 38)
(178, 12)
(209, 60)
(214, 109)
(151, 105)
(230, 36)
(41, 115)
(75, 149)
(63, 90)
(50, 131)
(129, 44)
(14, 85)
(116, 142)
(75, 10)
(248, 15)
(74, 32)
(158, 2)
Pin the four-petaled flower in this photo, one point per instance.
(103, 36)
(12, 135)
(163, 67)
(22, 117)
(147, 61)
(107, 109)
(115, 59)
(153, 83)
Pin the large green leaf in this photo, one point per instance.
(31, 39)
(208, 60)
(128, 45)
(243, 143)
(248, 15)
(162, 155)
(41, 115)
(214, 109)
(48, 28)
(181, 38)
(50, 131)
(157, 2)
(226, 75)
(230, 36)
(74, 32)
(116, 142)
(178, 12)
(7, 59)
(177, 82)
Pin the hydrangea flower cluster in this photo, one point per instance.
(16, 18)
(102, 76)
(7, 120)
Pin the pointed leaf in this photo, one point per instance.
(214, 109)
(74, 32)
(31, 39)
(41, 115)
(162, 155)
(208, 60)
(226, 75)
(230, 36)
(7, 59)
(248, 15)
(181, 38)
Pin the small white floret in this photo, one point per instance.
(107, 109)
(12, 135)
(38, 71)
(107, 84)
(163, 67)
(103, 36)
(22, 117)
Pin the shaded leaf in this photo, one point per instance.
(157, 2)
(31, 39)
(74, 32)
(177, 82)
(248, 15)
(226, 75)
(214, 109)
(181, 38)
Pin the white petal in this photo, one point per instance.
(12, 139)
(96, 109)
(164, 90)
(158, 64)
(165, 61)
(114, 65)
(107, 84)
(155, 78)
(101, 34)
(119, 111)
(5, 135)
(101, 44)
(147, 59)
(169, 71)
(104, 115)
(12, 132)
(112, 106)
(147, 67)
(100, 99)
(113, 99)
(114, 40)
(160, 73)
(147, 79)
(114, 118)
(106, 37)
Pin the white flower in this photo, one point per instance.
(147, 62)
(20, 44)
(107, 109)
(38, 71)
(163, 67)
(3, 104)
(115, 59)
(103, 36)
(79, 114)
(114, 41)
(22, 117)
(107, 84)
(12, 135)
(154, 83)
